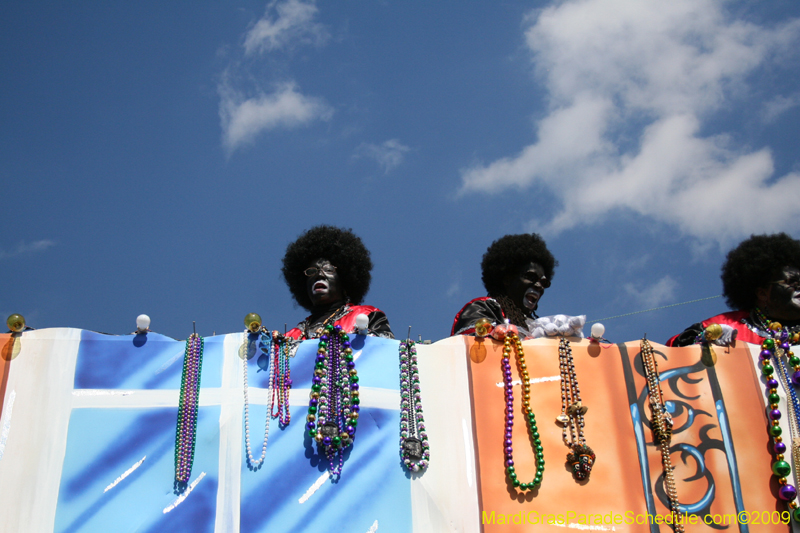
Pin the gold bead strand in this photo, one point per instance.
(662, 429)
(512, 340)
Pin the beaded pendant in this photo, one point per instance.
(510, 341)
(662, 429)
(414, 448)
(333, 404)
(581, 458)
(188, 404)
(774, 350)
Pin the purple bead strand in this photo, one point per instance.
(186, 427)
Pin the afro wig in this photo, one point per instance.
(508, 254)
(756, 263)
(342, 248)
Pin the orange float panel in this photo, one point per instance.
(720, 448)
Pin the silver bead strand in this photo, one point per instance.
(255, 464)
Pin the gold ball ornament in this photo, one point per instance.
(16, 323)
(712, 332)
(253, 322)
(483, 327)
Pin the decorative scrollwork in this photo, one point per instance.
(684, 412)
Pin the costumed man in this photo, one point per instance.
(761, 282)
(516, 270)
(328, 270)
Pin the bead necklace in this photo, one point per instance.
(186, 429)
(414, 447)
(773, 349)
(662, 429)
(334, 401)
(761, 326)
(251, 463)
(280, 378)
(793, 408)
(279, 383)
(581, 457)
(511, 339)
(332, 318)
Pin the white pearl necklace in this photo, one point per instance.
(254, 465)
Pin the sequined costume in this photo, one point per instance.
(739, 320)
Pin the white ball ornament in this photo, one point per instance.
(142, 323)
(362, 321)
(597, 330)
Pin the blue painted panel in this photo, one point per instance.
(149, 361)
(103, 443)
(373, 485)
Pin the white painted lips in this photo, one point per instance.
(320, 286)
(532, 296)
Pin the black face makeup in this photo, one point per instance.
(783, 295)
(527, 286)
(323, 284)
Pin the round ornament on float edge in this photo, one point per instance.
(253, 322)
(16, 323)
(598, 330)
(142, 324)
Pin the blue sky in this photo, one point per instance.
(158, 157)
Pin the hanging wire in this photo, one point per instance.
(655, 309)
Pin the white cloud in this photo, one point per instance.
(243, 118)
(292, 23)
(779, 105)
(652, 71)
(388, 155)
(453, 290)
(661, 292)
(27, 248)
(246, 113)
